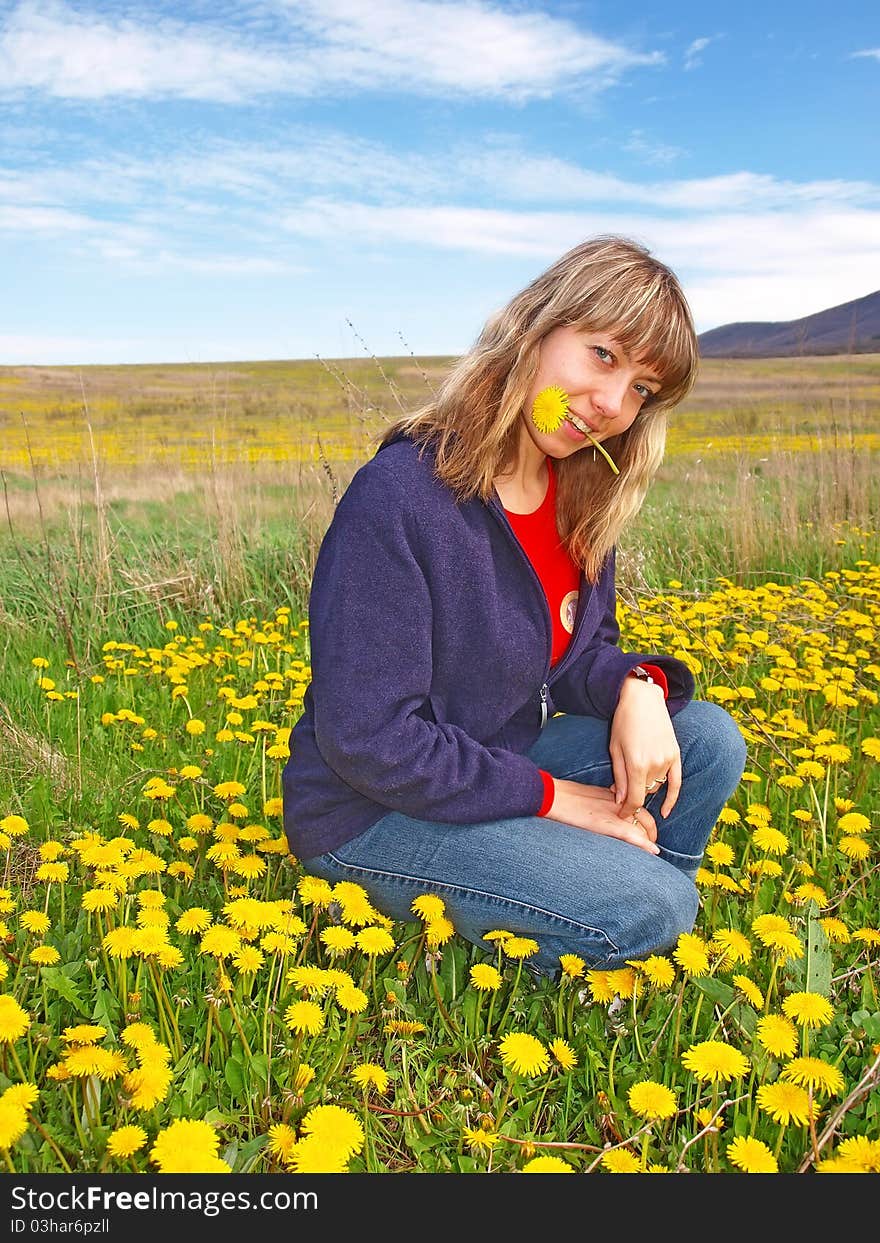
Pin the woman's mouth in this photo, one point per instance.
(576, 428)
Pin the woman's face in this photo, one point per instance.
(606, 388)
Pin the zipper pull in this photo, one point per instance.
(543, 705)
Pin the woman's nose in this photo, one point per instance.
(609, 400)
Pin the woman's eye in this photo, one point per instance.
(643, 392)
(602, 353)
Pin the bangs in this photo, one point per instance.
(647, 314)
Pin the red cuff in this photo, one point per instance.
(549, 793)
(659, 677)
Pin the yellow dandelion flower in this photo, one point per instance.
(621, 1161)
(808, 1009)
(125, 1141)
(564, 1053)
(24, 1095)
(547, 1165)
(479, 1139)
(573, 967)
(777, 1035)
(836, 930)
(53, 873)
(84, 1033)
(313, 891)
(13, 1123)
(15, 826)
(749, 990)
(304, 1017)
(524, 1054)
(520, 947)
(120, 942)
(194, 919)
(625, 982)
(812, 1072)
(771, 840)
(403, 1027)
(220, 942)
(715, 1061)
(785, 1102)
(188, 1147)
(720, 853)
(601, 988)
(14, 1021)
(369, 1075)
(752, 1156)
(428, 906)
(733, 946)
(438, 932)
(485, 977)
(374, 941)
(550, 409)
(334, 1124)
(36, 922)
(692, 954)
(854, 848)
(282, 1140)
(649, 1099)
(229, 789)
(303, 1077)
(658, 971)
(45, 955)
(308, 979)
(337, 940)
(352, 999)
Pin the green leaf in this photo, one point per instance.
(105, 1010)
(817, 974)
(234, 1075)
(724, 995)
(54, 978)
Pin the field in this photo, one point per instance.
(178, 996)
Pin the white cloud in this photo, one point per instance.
(873, 52)
(464, 45)
(768, 265)
(32, 218)
(52, 48)
(692, 53)
(468, 47)
(653, 152)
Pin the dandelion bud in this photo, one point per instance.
(528, 1151)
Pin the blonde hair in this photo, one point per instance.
(607, 284)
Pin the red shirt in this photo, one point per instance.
(559, 576)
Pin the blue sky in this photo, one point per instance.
(208, 180)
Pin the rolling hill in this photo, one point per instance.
(851, 328)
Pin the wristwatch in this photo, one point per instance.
(642, 675)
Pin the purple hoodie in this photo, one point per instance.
(430, 654)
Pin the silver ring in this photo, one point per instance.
(656, 783)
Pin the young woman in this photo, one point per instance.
(472, 728)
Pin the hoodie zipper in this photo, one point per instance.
(498, 510)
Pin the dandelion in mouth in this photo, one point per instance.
(549, 412)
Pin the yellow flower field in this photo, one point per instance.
(177, 995)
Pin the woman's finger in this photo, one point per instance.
(618, 768)
(673, 787)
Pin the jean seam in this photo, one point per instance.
(482, 893)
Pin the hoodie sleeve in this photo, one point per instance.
(592, 685)
(370, 622)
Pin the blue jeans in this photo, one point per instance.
(573, 891)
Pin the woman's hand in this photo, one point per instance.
(593, 808)
(643, 747)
